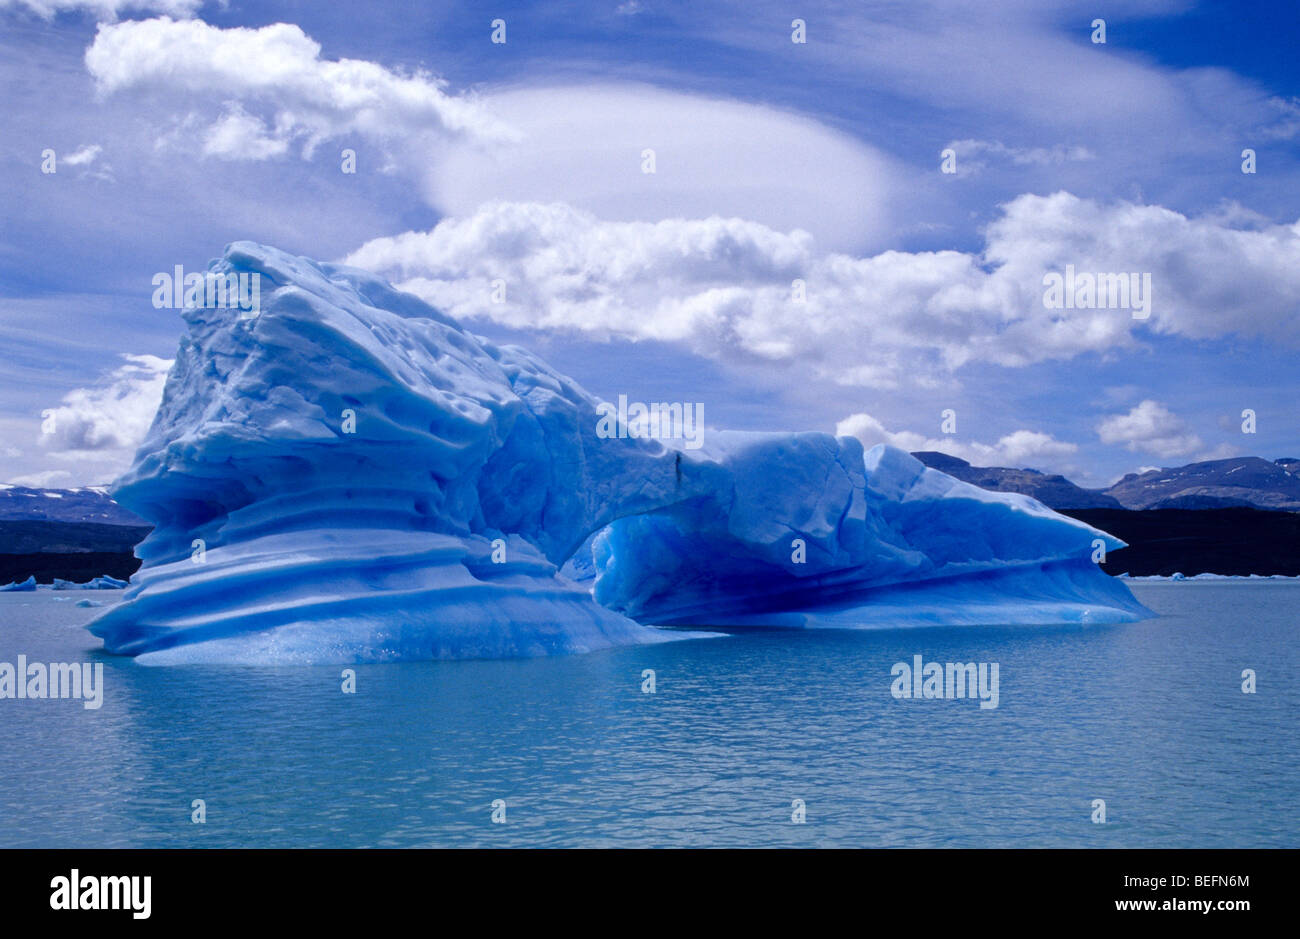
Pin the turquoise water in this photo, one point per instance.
(1149, 717)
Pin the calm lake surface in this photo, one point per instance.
(1149, 717)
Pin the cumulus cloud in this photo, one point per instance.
(1209, 279)
(238, 135)
(1150, 428)
(562, 267)
(296, 97)
(1021, 448)
(104, 9)
(107, 421)
(729, 287)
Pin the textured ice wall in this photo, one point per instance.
(809, 533)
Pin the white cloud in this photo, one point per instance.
(723, 286)
(974, 156)
(105, 423)
(674, 279)
(584, 146)
(85, 155)
(1208, 279)
(1028, 62)
(1019, 449)
(1287, 123)
(277, 69)
(104, 9)
(238, 135)
(88, 157)
(1150, 428)
(257, 94)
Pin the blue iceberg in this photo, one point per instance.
(102, 582)
(808, 532)
(350, 476)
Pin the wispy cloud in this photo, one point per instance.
(84, 155)
(47, 479)
(975, 156)
(108, 10)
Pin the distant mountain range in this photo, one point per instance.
(1214, 484)
(1055, 492)
(91, 504)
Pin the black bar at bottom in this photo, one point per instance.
(333, 888)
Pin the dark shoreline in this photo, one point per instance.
(1239, 541)
(75, 551)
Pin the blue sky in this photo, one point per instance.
(775, 161)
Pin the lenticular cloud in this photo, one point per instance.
(350, 476)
